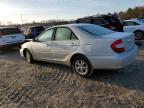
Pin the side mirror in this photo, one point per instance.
(35, 40)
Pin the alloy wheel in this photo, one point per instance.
(81, 66)
(28, 56)
(138, 35)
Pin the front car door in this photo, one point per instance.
(64, 43)
(41, 46)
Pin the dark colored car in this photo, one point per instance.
(32, 32)
(111, 21)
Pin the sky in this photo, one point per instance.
(23, 11)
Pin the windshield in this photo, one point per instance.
(95, 30)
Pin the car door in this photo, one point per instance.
(130, 26)
(41, 46)
(64, 43)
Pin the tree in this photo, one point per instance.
(137, 12)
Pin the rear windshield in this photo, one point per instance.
(95, 30)
(9, 31)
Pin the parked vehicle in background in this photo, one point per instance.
(142, 20)
(32, 32)
(85, 47)
(109, 21)
(135, 26)
(10, 36)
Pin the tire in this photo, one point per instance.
(139, 35)
(28, 56)
(82, 66)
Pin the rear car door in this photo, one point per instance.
(64, 43)
(41, 47)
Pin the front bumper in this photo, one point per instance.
(113, 62)
(21, 53)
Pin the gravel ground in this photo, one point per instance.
(45, 85)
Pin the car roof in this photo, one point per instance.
(97, 16)
(71, 25)
(7, 27)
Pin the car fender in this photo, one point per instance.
(27, 46)
(138, 30)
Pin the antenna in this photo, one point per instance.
(21, 19)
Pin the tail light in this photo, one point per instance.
(117, 46)
(111, 27)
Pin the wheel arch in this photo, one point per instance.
(75, 55)
(138, 30)
(24, 51)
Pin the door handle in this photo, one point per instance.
(72, 44)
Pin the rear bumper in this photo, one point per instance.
(11, 45)
(113, 62)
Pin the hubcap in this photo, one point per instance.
(138, 35)
(28, 56)
(81, 67)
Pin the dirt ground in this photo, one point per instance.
(45, 85)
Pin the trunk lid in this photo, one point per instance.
(128, 39)
(12, 38)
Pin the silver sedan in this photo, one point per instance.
(85, 47)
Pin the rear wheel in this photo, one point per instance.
(28, 56)
(139, 35)
(82, 66)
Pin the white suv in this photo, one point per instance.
(10, 36)
(135, 26)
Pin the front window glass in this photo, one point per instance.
(46, 36)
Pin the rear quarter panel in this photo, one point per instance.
(102, 47)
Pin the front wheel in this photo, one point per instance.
(28, 56)
(82, 66)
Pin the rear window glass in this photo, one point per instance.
(9, 31)
(113, 20)
(110, 20)
(98, 21)
(95, 30)
(87, 20)
(38, 28)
